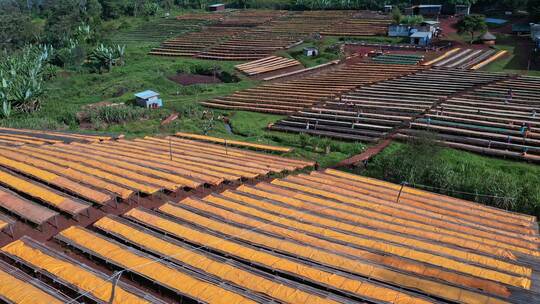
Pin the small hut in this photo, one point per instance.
(216, 7)
(311, 51)
(149, 99)
(488, 38)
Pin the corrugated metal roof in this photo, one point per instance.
(421, 35)
(146, 94)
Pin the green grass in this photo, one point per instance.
(517, 60)
(452, 172)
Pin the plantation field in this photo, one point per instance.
(448, 169)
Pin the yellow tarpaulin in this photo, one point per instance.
(327, 258)
(225, 271)
(71, 273)
(360, 288)
(167, 276)
(19, 292)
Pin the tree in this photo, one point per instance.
(472, 24)
(16, 27)
(533, 7)
(113, 9)
(66, 16)
(396, 15)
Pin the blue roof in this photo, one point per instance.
(421, 34)
(146, 94)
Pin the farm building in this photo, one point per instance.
(462, 10)
(488, 38)
(149, 99)
(216, 7)
(535, 34)
(311, 51)
(521, 29)
(424, 10)
(421, 38)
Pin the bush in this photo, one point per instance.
(117, 114)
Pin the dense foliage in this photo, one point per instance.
(471, 25)
(21, 79)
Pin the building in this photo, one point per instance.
(311, 51)
(149, 99)
(388, 9)
(429, 26)
(432, 10)
(535, 35)
(421, 38)
(216, 7)
(521, 29)
(462, 10)
(399, 30)
(488, 38)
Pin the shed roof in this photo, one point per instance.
(488, 36)
(421, 34)
(216, 5)
(146, 94)
(521, 27)
(430, 6)
(430, 22)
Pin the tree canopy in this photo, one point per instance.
(472, 24)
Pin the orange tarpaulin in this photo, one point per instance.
(158, 271)
(71, 273)
(363, 289)
(223, 270)
(19, 292)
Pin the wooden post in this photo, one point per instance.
(400, 190)
(170, 148)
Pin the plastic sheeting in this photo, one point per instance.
(19, 292)
(403, 264)
(52, 157)
(71, 273)
(361, 268)
(360, 288)
(50, 197)
(469, 256)
(227, 272)
(376, 219)
(161, 273)
(73, 174)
